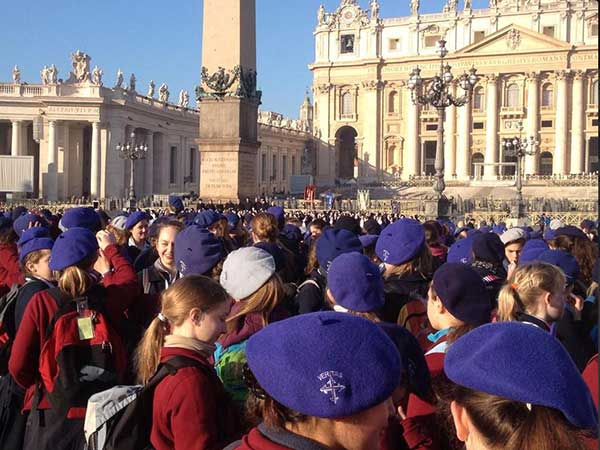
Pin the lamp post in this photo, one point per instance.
(132, 151)
(519, 148)
(439, 96)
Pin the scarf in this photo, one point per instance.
(200, 347)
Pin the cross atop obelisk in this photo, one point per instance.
(228, 101)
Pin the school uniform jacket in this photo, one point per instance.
(121, 289)
(10, 269)
(265, 438)
(191, 409)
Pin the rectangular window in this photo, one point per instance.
(192, 171)
(274, 173)
(284, 167)
(595, 122)
(293, 165)
(347, 43)
(547, 123)
(594, 30)
(431, 127)
(548, 31)
(478, 126)
(173, 165)
(431, 41)
(394, 44)
(263, 167)
(478, 36)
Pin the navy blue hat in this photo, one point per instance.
(71, 247)
(341, 364)
(273, 249)
(279, 213)
(532, 249)
(232, 220)
(356, 283)
(462, 250)
(81, 217)
(368, 239)
(135, 218)
(176, 202)
(488, 247)
(207, 218)
(33, 233)
(5, 222)
(485, 229)
(564, 260)
(463, 293)
(18, 212)
(332, 243)
(519, 362)
(550, 234)
(33, 245)
(499, 229)
(571, 231)
(22, 222)
(348, 223)
(372, 227)
(400, 241)
(460, 230)
(197, 251)
(292, 232)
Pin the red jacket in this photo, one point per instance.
(10, 269)
(590, 376)
(121, 290)
(191, 409)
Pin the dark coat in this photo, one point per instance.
(311, 294)
(400, 290)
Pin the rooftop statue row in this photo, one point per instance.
(277, 120)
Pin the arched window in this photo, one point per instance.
(478, 99)
(547, 95)
(512, 95)
(347, 104)
(476, 168)
(392, 102)
(594, 93)
(391, 156)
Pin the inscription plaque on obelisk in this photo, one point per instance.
(228, 101)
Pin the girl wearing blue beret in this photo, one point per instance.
(191, 409)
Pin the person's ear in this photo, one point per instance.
(196, 316)
(462, 423)
(30, 267)
(547, 297)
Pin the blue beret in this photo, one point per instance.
(356, 283)
(488, 247)
(571, 231)
(279, 214)
(197, 251)
(135, 218)
(341, 364)
(33, 233)
(22, 223)
(462, 250)
(33, 245)
(519, 362)
(400, 241)
(332, 243)
(207, 218)
(485, 229)
(532, 249)
(72, 247)
(18, 212)
(463, 293)
(176, 202)
(563, 260)
(451, 226)
(273, 249)
(549, 234)
(368, 239)
(232, 219)
(5, 222)
(460, 230)
(588, 224)
(81, 217)
(292, 232)
(499, 229)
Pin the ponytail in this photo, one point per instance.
(74, 282)
(509, 303)
(148, 351)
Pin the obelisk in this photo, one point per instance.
(228, 101)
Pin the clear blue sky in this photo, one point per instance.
(162, 40)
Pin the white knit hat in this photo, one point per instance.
(512, 235)
(245, 271)
(119, 222)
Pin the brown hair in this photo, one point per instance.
(509, 425)
(313, 262)
(523, 290)
(263, 302)
(422, 263)
(8, 236)
(176, 303)
(121, 236)
(75, 280)
(583, 250)
(219, 228)
(265, 227)
(33, 258)
(163, 225)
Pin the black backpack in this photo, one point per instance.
(127, 410)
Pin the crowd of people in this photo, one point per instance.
(256, 329)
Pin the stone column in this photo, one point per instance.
(413, 147)
(115, 166)
(533, 119)
(491, 138)
(577, 129)
(371, 91)
(561, 123)
(149, 165)
(463, 156)
(95, 161)
(17, 138)
(450, 139)
(51, 191)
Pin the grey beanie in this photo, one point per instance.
(245, 271)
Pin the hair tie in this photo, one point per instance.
(162, 318)
(515, 286)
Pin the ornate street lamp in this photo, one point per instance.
(440, 97)
(519, 148)
(132, 151)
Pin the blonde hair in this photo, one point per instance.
(176, 303)
(75, 280)
(527, 284)
(121, 236)
(263, 302)
(265, 228)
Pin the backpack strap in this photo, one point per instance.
(309, 282)
(146, 280)
(171, 367)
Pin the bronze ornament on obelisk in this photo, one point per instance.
(228, 101)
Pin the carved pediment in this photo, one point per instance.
(514, 39)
